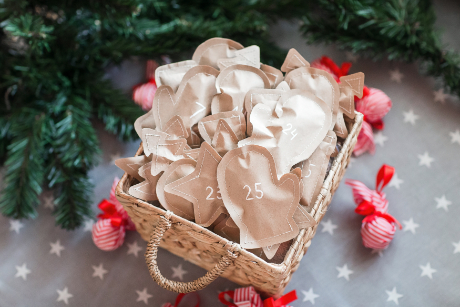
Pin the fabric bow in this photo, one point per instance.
(143, 93)
(248, 297)
(378, 227)
(374, 105)
(179, 299)
(109, 231)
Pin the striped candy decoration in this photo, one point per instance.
(248, 297)
(378, 227)
(109, 231)
(143, 93)
(374, 105)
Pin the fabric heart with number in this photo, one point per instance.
(191, 102)
(291, 132)
(261, 205)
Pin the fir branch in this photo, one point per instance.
(399, 30)
(116, 111)
(25, 164)
(75, 151)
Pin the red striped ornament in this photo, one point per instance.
(378, 227)
(109, 231)
(248, 297)
(374, 105)
(143, 94)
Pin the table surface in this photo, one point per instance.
(43, 265)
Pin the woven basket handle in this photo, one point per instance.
(177, 286)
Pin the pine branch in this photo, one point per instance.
(75, 152)
(25, 164)
(116, 111)
(399, 30)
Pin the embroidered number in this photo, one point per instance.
(259, 192)
(218, 196)
(289, 128)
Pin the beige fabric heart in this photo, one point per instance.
(235, 81)
(314, 170)
(261, 205)
(200, 187)
(318, 82)
(293, 131)
(214, 49)
(172, 74)
(146, 190)
(208, 125)
(172, 202)
(191, 102)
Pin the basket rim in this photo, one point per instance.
(274, 267)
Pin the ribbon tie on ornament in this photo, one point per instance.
(248, 297)
(143, 93)
(110, 212)
(374, 105)
(378, 227)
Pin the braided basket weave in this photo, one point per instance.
(218, 255)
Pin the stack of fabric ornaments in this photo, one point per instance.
(239, 147)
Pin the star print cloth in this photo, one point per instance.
(430, 234)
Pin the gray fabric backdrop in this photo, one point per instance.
(421, 266)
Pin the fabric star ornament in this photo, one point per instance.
(109, 232)
(378, 227)
(200, 187)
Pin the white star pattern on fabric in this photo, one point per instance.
(380, 139)
(49, 202)
(425, 159)
(56, 248)
(309, 296)
(442, 203)
(328, 227)
(393, 296)
(114, 157)
(134, 249)
(455, 136)
(88, 225)
(396, 181)
(378, 251)
(178, 272)
(22, 271)
(440, 96)
(143, 296)
(64, 296)
(427, 270)
(344, 272)
(456, 247)
(410, 225)
(99, 271)
(410, 117)
(353, 57)
(396, 75)
(16, 225)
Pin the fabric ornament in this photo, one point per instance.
(179, 299)
(248, 297)
(109, 231)
(374, 105)
(378, 227)
(143, 93)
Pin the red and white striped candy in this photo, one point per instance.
(106, 236)
(362, 193)
(378, 233)
(143, 94)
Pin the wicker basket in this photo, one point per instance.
(218, 255)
